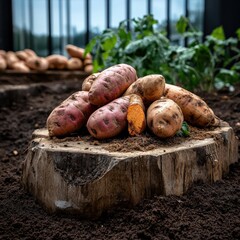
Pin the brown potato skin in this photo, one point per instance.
(164, 118)
(195, 110)
(109, 120)
(56, 61)
(37, 63)
(149, 88)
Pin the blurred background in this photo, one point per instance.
(46, 26)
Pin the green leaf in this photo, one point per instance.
(218, 33)
(238, 33)
(184, 131)
(182, 24)
(90, 45)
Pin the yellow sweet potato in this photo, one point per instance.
(111, 84)
(150, 88)
(56, 61)
(164, 118)
(37, 63)
(136, 115)
(87, 83)
(195, 110)
(77, 52)
(109, 120)
(74, 64)
(71, 115)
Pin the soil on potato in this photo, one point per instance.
(204, 212)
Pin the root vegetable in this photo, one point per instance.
(77, 52)
(74, 64)
(11, 58)
(88, 68)
(87, 83)
(22, 55)
(30, 52)
(20, 66)
(164, 118)
(111, 84)
(56, 61)
(150, 88)
(136, 115)
(70, 115)
(3, 64)
(37, 63)
(109, 120)
(195, 110)
(3, 53)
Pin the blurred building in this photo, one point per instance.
(48, 25)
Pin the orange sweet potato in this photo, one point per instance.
(150, 88)
(109, 120)
(164, 118)
(195, 110)
(111, 84)
(136, 115)
(70, 115)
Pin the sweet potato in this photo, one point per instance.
(37, 63)
(77, 52)
(74, 64)
(150, 88)
(87, 83)
(111, 84)
(3, 64)
(70, 115)
(164, 118)
(195, 110)
(109, 120)
(88, 68)
(22, 55)
(3, 53)
(30, 52)
(56, 61)
(136, 115)
(11, 58)
(20, 66)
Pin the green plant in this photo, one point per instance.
(201, 64)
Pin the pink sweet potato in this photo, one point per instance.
(70, 115)
(109, 120)
(111, 84)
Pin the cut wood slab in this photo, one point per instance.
(82, 178)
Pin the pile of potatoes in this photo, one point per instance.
(27, 60)
(116, 100)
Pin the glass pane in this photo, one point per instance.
(97, 17)
(138, 8)
(40, 24)
(196, 11)
(177, 9)
(78, 22)
(118, 12)
(159, 11)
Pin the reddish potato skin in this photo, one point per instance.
(111, 84)
(70, 115)
(109, 120)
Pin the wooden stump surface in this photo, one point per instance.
(81, 178)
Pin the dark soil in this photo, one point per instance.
(204, 212)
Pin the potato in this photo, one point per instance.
(11, 58)
(71, 115)
(3, 53)
(164, 118)
(87, 83)
(56, 61)
(30, 52)
(111, 84)
(77, 52)
(37, 63)
(109, 120)
(195, 110)
(3, 63)
(22, 55)
(150, 88)
(136, 115)
(88, 68)
(20, 66)
(74, 64)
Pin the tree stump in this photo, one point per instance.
(81, 178)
